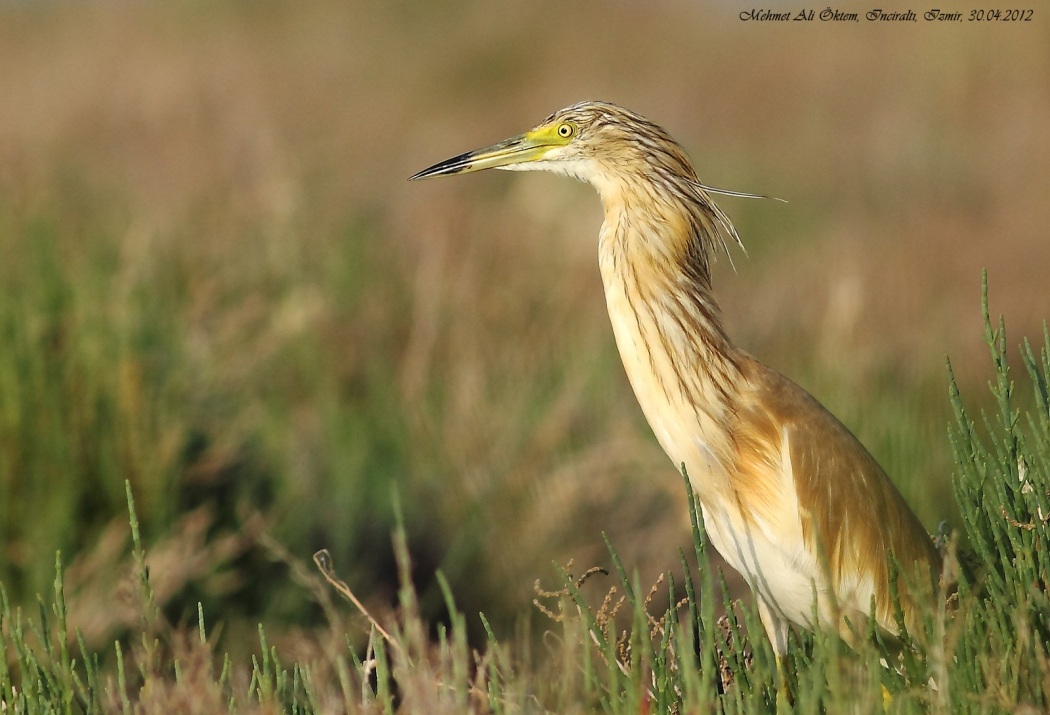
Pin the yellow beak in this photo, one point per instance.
(516, 150)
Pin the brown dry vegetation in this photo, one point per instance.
(244, 164)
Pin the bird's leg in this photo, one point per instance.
(777, 631)
(785, 697)
(887, 699)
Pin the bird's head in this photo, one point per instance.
(596, 142)
(627, 158)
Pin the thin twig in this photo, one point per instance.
(1029, 526)
(323, 559)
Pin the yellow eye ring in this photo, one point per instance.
(566, 130)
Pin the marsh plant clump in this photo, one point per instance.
(681, 645)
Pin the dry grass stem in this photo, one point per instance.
(323, 560)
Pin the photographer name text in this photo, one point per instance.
(830, 14)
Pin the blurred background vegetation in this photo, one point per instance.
(216, 283)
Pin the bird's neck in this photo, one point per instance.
(654, 266)
(657, 253)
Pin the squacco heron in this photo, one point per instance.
(789, 497)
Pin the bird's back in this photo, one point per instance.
(802, 476)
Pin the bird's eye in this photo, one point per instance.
(566, 130)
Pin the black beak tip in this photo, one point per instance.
(455, 165)
(426, 173)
